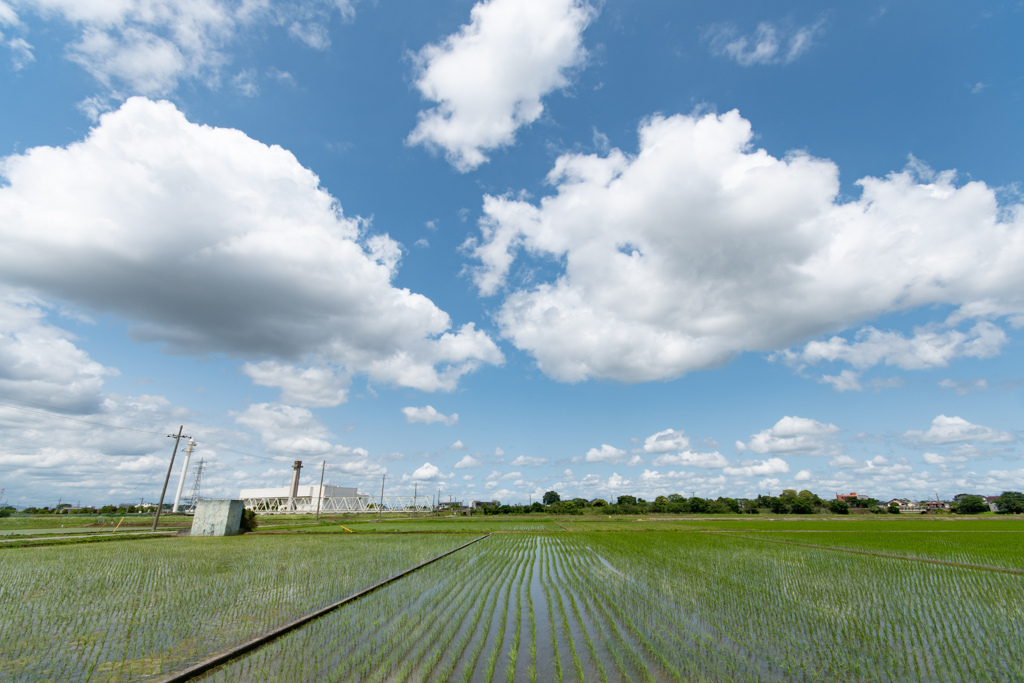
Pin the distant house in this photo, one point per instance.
(934, 504)
(903, 504)
(846, 498)
(992, 504)
(474, 504)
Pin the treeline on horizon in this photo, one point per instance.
(789, 502)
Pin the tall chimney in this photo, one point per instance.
(295, 484)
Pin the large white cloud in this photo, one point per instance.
(945, 430)
(210, 241)
(792, 434)
(488, 79)
(146, 46)
(700, 247)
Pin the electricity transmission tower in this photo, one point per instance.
(188, 505)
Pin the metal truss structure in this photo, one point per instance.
(301, 504)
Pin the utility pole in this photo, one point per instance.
(177, 438)
(415, 488)
(321, 494)
(380, 506)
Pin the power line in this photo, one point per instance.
(48, 406)
(77, 419)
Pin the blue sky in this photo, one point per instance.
(499, 248)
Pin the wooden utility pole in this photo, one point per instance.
(380, 506)
(160, 505)
(321, 495)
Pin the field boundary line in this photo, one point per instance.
(912, 558)
(244, 648)
(14, 541)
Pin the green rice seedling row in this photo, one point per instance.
(682, 604)
(138, 610)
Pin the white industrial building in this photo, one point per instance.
(305, 496)
(325, 499)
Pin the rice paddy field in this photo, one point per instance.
(741, 599)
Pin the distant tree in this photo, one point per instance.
(565, 507)
(1011, 503)
(802, 506)
(581, 502)
(537, 507)
(551, 497)
(728, 505)
(971, 505)
(675, 498)
(599, 503)
(813, 497)
(699, 505)
(5, 512)
(894, 508)
(788, 495)
(838, 507)
(626, 500)
(777, 506)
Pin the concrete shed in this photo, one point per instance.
(217, 517)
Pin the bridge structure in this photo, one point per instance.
(299, 504)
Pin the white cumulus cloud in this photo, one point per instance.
(427, 472)
(606, 453)
(265, 265)
(40, 363)
(429, 415)
(312, 386)
(665, 441)
(928, 348)
(758, 468)
(714, 460)
(945, 430)
(526, 461)
(145, 47)
(467, 461)
(489, 77)
(792, 435)
(701, 246)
